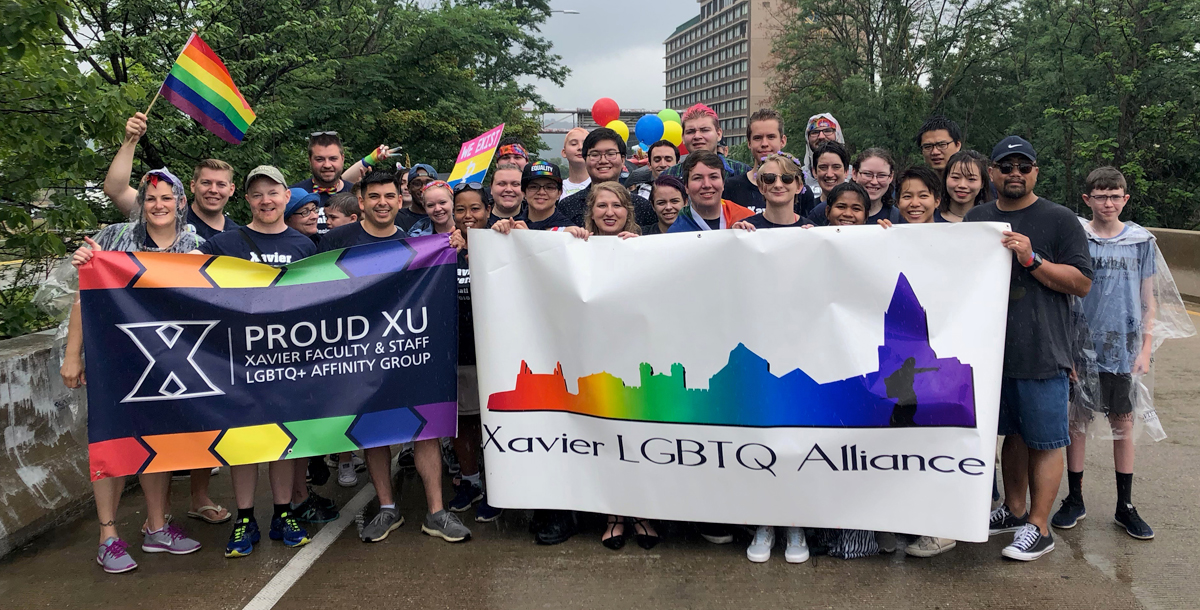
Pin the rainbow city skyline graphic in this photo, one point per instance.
(912, 387)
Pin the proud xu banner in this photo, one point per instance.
(833, 377)
(197, 361)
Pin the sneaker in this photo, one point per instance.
(1128, 518)
(113, 557)
(333, 460)
(312, 511)
(445, 525)
(486, 513)
(405, 459)
(466, 494)
(387, 520)
(759, 550)
(1069, 514)
(552, 527)
(170, 539)
(317, 473)
(321, 501)
(886, 542)
(1003, 521)
(796, 550)
(286, 528)
(1029, 544)
(450, 459)
(243, 538)
(716, 533)
(347, 477)
(929, 546)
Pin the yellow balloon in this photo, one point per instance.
(621, 128)
(673, 133)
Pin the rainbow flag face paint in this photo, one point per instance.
(200, 86)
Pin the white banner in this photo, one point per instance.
(832, 377)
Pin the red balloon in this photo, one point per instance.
(683, 149)
(605, 111)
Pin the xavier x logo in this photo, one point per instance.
(172, 374)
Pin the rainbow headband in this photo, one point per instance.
(437, 184)
(821, 123)
(512, 149)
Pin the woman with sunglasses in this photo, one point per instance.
(966, 185)
(779, 181)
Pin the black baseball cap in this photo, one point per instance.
(1013, 145)
(540, 169)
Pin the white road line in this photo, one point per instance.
(307, 556)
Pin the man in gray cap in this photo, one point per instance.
(1052, 264)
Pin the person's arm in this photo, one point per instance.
(357, 171)
(116, 182)
(1058, 277)
(72, 366)
(1149, 309)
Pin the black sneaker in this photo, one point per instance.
(1003, 521)
(715, 533)
(320, 501)
(1127, 517)
(318, 472)
(1029, 544)
(1068, 514)
(313, 510)
(556, 528)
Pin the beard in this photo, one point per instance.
(1014, 191)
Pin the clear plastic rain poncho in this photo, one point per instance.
(1132, 308)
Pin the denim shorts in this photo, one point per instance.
(1037, 409)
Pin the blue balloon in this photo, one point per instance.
(649, 129)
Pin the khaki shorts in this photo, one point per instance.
(468, 390)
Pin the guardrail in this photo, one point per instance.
(1182, 251)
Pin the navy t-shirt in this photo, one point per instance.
(202, 229)
(353, 234)
(308, 186)
(557, 219)
(760, 222)
(466, 319)
(889, 212)
(406, 218)
(276, 249)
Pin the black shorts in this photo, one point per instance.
(1116, 393)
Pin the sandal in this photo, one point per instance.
(645, 539)
(611, 538)
(218, 509)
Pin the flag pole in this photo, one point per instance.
(159, 92)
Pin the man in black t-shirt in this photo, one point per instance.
(765, 136)
(415, 179)
(212, 187)
(326, 161)
(1052, 264)
(380, 204)
(604, 152)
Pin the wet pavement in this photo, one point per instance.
(1096, 565)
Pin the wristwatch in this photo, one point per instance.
(1034, 262)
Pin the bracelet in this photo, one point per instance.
(1026, 264)
(369, 160)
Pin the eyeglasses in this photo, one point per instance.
(308, 210)
(317, 134)
(828, 131)
(929, 146)
(1103, 199)
(869, 176)
(545, 188)
(611, 155)
(462, 186)
(1007, 168)
(770, 178)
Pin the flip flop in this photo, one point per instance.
(199, 514)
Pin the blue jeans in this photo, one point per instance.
(1037, 409)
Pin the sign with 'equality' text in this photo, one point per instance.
(200, 361)
(786, 377)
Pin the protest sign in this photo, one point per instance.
(843, 377)
(200, 361)
(475, 156)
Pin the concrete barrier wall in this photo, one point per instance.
(1182, 251)
(43, 469)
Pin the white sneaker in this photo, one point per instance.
(759, 550)
(346, 475)
(796, 550)
(928, 546)
(358, 463)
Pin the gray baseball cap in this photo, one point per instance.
(270, 171)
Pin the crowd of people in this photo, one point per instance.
(1057, 258)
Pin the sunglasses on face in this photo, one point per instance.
(1007, 168)
(769, 179)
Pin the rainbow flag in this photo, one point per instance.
(200, 86)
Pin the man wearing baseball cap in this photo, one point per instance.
(1052, 264)
(267, 239)
(415, 179)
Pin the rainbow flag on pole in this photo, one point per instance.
(200, 86)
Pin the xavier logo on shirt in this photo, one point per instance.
(171, 373)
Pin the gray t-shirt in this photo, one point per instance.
(1038, 342)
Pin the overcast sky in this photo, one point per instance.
(614, 49)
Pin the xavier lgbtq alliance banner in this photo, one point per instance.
(197, 361)
(833, 377)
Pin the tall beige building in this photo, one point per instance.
(722, 58)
